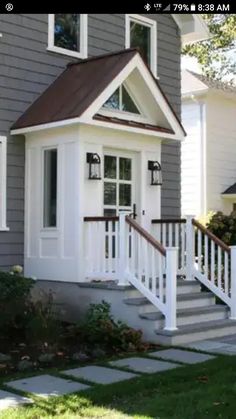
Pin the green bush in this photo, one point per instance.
(14, 303)
(224, 227)
(100, 329)
(22, 319)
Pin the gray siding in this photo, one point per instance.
(27, 68)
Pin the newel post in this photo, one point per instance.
(171, 287)
(189, 247)
(122, 262)
(233, 282)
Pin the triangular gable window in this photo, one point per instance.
(121, 100)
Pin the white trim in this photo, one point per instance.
(83, 53)
(193, 30)
(3, 183)
(229, 196)
(153, 36)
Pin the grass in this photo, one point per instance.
(206, 390)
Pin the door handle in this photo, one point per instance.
(134, 213)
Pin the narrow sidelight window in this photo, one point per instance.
(50, 188)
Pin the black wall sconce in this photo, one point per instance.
(94, 161)
(156, 173)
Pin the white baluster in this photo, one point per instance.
(161, 277)
(190, 245)
(199, 250)
(171, 287)
(233, 282)
(206, 256)
(219, 268)
(123, 235)
(226, 272)
(153, 270)
(146, 264)
(212, 261)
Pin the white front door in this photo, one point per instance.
(118, 182)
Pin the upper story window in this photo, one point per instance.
(141, 32)
(121, 100)
(3, 183)
(67, 34)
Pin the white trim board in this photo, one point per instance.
(83, 53)
(3, 183)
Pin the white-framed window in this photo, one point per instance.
(3, 183)
(122, 101)
(50, 187)
(141, 32)
(67, 34)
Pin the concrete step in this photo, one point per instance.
(197, 331)
(183, 287)
(189, 316)
(191, 300)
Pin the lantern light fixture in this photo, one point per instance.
(156, 173)
(94, 161)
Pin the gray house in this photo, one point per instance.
(30, 61)
(90, 135)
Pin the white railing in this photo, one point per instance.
(152, 269)
(172, 233)
(119, 248)
(101, 247)
(212, 263)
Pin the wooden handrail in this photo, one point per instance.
(146, 235)
(94, 219)
(211, 236)
(169, 220)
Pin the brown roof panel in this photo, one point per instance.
(75, 89)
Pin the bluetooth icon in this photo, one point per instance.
(147, 7)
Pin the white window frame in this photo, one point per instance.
(117, 113)
(3, 183)
(83, 53)
(150, 23)
(56, 227)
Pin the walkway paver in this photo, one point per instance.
(46, 385)
(100, 375)
(145, 365)
(180, 355)
(8, 400)
(212, 346)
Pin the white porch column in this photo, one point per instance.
(233, 282)
(189, 248)
(123, 237)
(171, 287)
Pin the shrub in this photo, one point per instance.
(100, 329)
(224, 227)
(14, 302)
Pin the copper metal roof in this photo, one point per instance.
(77, 88)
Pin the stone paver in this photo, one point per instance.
(46, 385)
(207, 345)
(145, 365)
(8, 399)
(180, 355)
(100, 375)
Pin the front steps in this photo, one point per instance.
(198, 315)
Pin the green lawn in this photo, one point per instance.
(201, 391)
